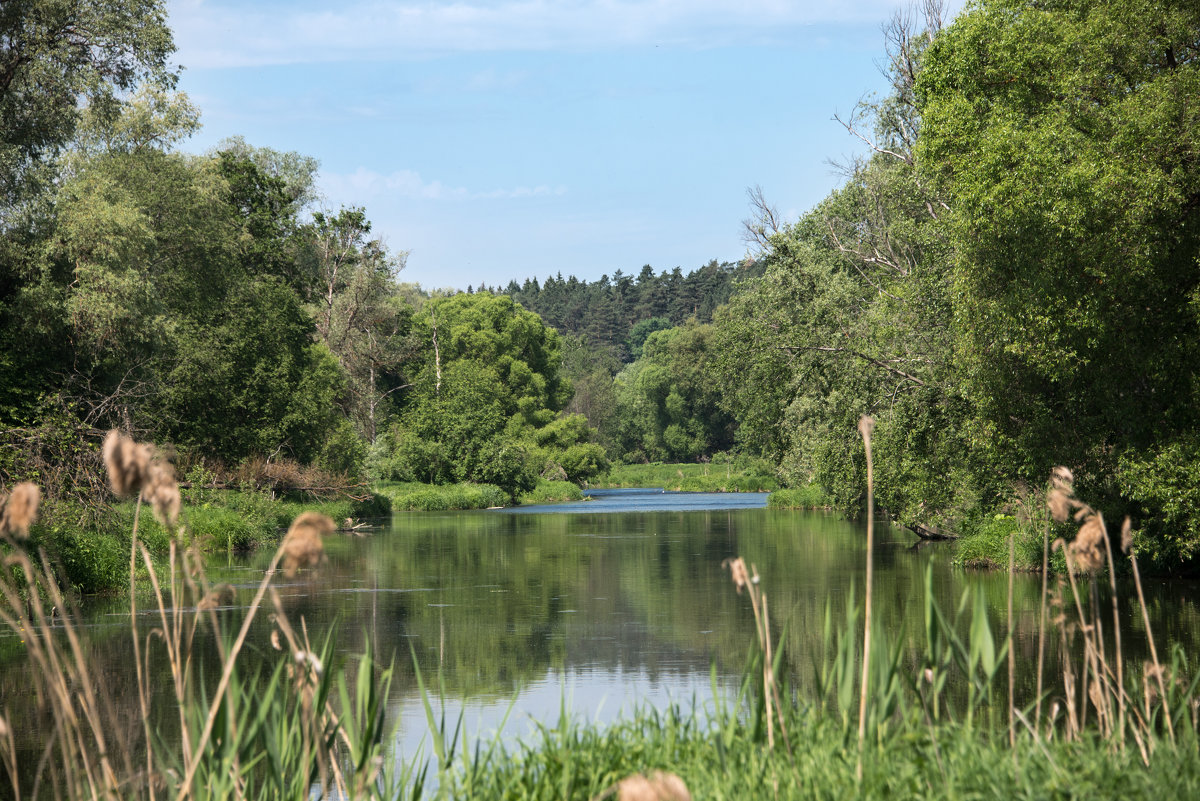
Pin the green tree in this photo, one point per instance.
(1064, 140)
(489, 381)
(667, 402)
(56, 58)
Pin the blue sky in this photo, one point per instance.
(501, 139)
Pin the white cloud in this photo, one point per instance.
(363, 185)
(231, 34)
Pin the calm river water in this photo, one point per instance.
(602, 605)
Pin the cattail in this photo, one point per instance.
(220, 595)
(1087, 547)
(20, 509)
(162, 493)
(1059, 503)
(659, 786)
(1062, 479)
(737, 571)
(302, 546)
(128, 463)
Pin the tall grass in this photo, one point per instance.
(307, 725)
(415, 497)
(714, 477)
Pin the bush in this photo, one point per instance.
(984, 544)
(551, 492)
(416, 497)
(810, 496)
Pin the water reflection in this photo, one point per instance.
(547, 607)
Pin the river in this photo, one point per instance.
(597, 606)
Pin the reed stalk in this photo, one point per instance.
(1158, 669)
(1012, 668)
(866, 426)
(1041, 657)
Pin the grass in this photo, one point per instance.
(714, 477)
(415, 497)
(810, 496)
(551, 492)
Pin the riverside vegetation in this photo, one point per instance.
(1006, 282)
(873, 726)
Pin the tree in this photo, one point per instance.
(489, 381)
(359, 312)
(1065, 139)
(667, 401)
(57, 58)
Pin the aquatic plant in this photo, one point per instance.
(281, 736)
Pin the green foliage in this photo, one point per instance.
(1062, 142)
(551, 492)
(715, 477)
(668, 405)
(810, 496)
(983, 543)
(59, 57)
(485, 402)
(605, 314)
(1165, 486)
(414, 496)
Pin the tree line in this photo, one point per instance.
(1009, 280)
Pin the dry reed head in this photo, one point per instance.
(866, 426)
(218, 596)
(20, 509)
(136, 468)
(128, 463)
(1087, 549)
(302, 546)
(1126, 535)
(1061, 498)
(737, 571)
(162, 493)
(1062, 478)
(659, 786)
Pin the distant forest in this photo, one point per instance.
(606, 312)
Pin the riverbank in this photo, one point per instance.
(732, 476)
(90, 546)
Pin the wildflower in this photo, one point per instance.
(302, 546)
(20, 509)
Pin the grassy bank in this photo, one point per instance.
(89, 546)
(714, 477)
(415, 497)
(410, 496)
(551, 492)
(809, 496)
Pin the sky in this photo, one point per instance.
(493, 140)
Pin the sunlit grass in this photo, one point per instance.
(713, 477)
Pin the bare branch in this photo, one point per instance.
(871, 360)
(762, 224)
